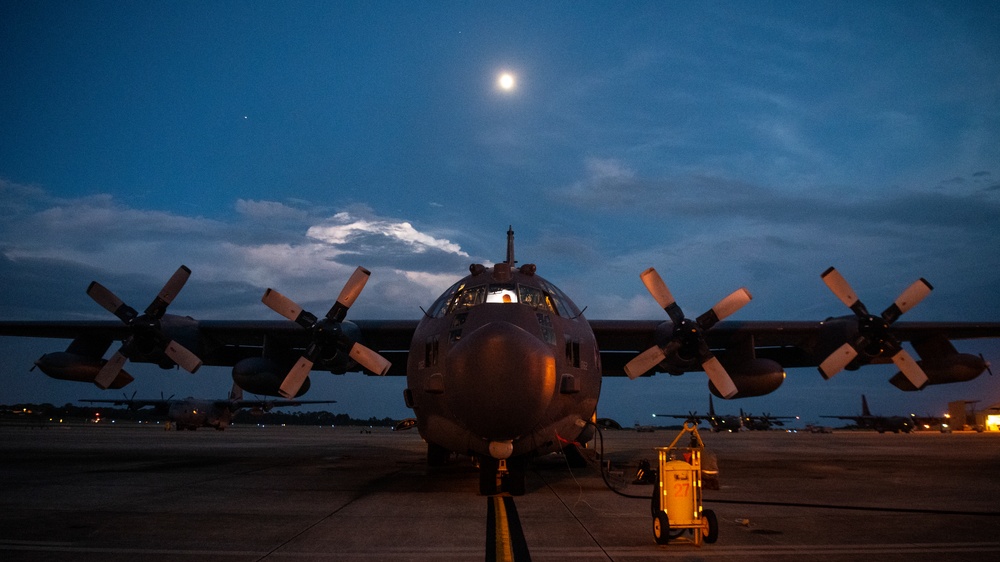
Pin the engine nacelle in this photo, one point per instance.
(959, 367)
(263, 376)
(67, 366)
(755, 377)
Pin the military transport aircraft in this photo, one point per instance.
(503, 366)
(192, 413)
(880, 424)
(764, 421)
(730, 423)
(716, 422)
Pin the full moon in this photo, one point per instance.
(506, 81)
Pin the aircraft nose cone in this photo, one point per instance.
(500, 381)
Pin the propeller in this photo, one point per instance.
(130, 401)
(326, 332)
(688, 334)
(146, 334)
(874, 337)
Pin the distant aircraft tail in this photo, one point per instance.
(864, 406)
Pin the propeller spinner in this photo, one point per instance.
(874, 337)
(145, 329)
(688, 333)
(325, 332)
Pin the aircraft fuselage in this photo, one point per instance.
(503, 365)
(192, 414)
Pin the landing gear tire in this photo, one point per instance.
(437, 455)
(514, 481)
(661, 528)
(710, 530)
(488, 467)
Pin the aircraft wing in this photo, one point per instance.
(226, 342)
(754, 354)
(222, 342)
(268, 404)
(769, 417)
(132, 404)
(792, 344)
(694, 417)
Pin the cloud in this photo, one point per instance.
(271, 244)
(269, 210)
(345, 229)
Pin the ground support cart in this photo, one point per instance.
(676, 502)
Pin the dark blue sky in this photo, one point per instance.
(281, 144)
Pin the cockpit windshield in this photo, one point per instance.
(461, 297)
(501, 293)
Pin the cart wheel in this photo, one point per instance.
(661, 528)
(710, 527)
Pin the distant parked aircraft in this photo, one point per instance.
(880, 424)
(192, 413)
(730, 423)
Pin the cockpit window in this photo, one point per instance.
(502, 293)
(461, 297)
(562, 303)
(467, 298)
(534, 298)
(441, 303)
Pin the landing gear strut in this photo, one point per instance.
(500, 476)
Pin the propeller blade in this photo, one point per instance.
(349, 294)
(735, 301)
(837, 360)
(719, 377)
(158, 307)
(910, 369)
(910, 298)
(369, 359)
(836, 282)
(109, 372)
(184, 358)
(656, 287)
(294, 379)
(725, 308)
(110, 301)
(645, 361)
(281, 304)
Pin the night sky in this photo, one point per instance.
(282, 144)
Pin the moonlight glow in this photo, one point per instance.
(506, 81)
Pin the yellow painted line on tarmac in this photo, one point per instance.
(504, 536)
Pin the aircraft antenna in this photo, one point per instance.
(510, 246)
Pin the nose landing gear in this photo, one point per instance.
(502, 476)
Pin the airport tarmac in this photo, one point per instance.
(128, 492)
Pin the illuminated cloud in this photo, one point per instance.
(346, 229)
